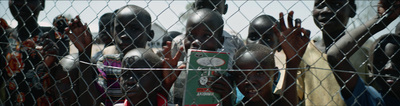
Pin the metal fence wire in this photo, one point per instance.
(199, 52)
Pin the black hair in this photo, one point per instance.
(259, 49)
(141, 58)
(105, 20)
(169, 37)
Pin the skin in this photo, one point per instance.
(338, 43)
(84, 46)
(293, 38)
(261, 27)
(105, 28)
(132, 28)
(169, 37)
(204, 30)
(26, 13)
(64, 78)
(252, 82)
(138, 85)
(218, 5)
(60, 22)
(385, 59)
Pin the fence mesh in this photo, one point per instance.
(238, 52)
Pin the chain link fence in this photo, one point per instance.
(238, 52)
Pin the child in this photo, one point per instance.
(65, 80)
(28, 47)
(257, 87)
(142, 87)
(204, 31)
(131, 29)
(260, 31)
(104, 34)
(384, 61)
(335, 51)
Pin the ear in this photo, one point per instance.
(354, 7)
(225, 9)
(151, 35)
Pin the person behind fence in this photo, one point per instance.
(260, 31)
(337, 48)
(168, 37)
(65, 83)
(3, 44)
(60, 22)
(104, 34)
(258, 86)
(384, 62)
(142, 87)
(28, 47)
(131, 29)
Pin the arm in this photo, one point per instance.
(223, 85)
(170, 63)
(347, 45)
(82, 39)
(294, 45)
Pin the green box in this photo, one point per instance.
(201, 65)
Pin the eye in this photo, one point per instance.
(207, 35)
(260, 73)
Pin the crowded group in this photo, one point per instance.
(203, 65)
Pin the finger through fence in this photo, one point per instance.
(199, 52)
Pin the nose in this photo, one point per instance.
(389, 65)
(195, 44)
(131, 81)
(326, 9)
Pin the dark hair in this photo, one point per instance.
(265, 51)
(169, 37)
(141, 58)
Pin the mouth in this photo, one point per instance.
(251, 93)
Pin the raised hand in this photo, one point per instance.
(293, 42)
(80, 36)
(170, 63)
(49, 50)
(389, 7)
(222, 85)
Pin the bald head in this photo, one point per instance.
(205, 16)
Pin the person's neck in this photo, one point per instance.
(27, 29)
(328, 40)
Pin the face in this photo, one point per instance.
(259, 29)
(383, 65)
(218, 5)
(130, 31)
(138, 84)
(24, 10)
(104, 34)
(253, 84)
(63, 90)
(204, 36)
(332, 15)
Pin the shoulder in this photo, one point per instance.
(364, 95)
(110, 50)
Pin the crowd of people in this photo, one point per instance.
(37, 68)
